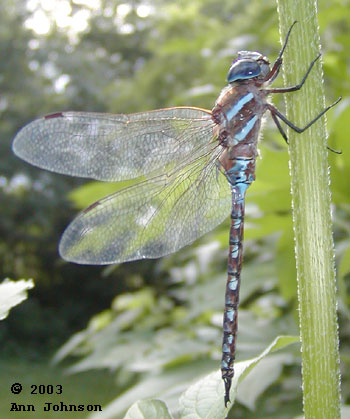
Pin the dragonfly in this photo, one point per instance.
(193, 168)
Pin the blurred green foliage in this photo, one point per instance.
(163, 327)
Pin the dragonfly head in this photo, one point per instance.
(248, 65)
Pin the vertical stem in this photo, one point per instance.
(314, 247)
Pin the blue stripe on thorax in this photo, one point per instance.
(239, 105)
(241, 135)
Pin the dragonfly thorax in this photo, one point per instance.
(237, 113)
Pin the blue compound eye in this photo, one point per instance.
(243, 69)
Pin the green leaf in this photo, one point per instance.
(260, 378)
(205, 398)
(13, 293)
(170, 382)
(146, 409)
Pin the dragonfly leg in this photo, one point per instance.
(277, 65)
(297, 86)
(276, 113)
(279, 126)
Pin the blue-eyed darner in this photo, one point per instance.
(197, 164)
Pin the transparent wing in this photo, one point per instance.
(114, 147)
(151, 219)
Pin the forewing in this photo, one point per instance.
(151, 219)
(115, 147)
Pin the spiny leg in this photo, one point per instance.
(279, 126)
(276, 113)
(277, 65)
(297, 86)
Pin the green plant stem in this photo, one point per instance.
(314, 247)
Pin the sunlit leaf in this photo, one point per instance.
(205, 398)
(146, 409)
(13, 293)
